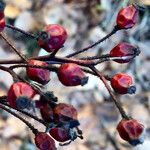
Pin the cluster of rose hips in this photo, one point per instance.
(62, 118)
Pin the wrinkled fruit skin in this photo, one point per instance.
(47, 113)
(41, 76)
(131, 131)
(17, 90)
(2, 21)
(55, 38)
(71, 74)
(127, 17)
(60, 134)
(122, 50)
(44, 141)
(64, 112)
(121, 83)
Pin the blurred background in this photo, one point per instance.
(86, 21)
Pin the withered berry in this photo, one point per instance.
(60, 134)
(47, 113)
(131, 130)
(64, 112)
(52, 37)
(123, 50)
(41, 76)
(19, 94)
(71, 74)
(44, 142)
(122, 84)
(127, 17)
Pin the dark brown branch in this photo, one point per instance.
(116, 102)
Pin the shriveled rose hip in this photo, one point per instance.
(36, 74)
(127, 17)
(122, 84)
(44, 142)
(71, 74)
(60, 134)
(64, 112)
(123, 50)
(20, 94)
(52, 37)
(131, 130)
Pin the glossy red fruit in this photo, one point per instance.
(122, 83)
(41, 76)
(60, 134)
(64, 112)
(19, 90)
(71, 74)
(2, 21)
(127, 17)
(47, 113)
(52, 38)
(122, 50)
(44, 142)
(131, 130)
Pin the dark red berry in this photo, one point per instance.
(127, 17)
(44, 142)
(121, 83)
(131, 131)
(2, 16)
(19, 90)
(47, 113)
(123, 50)
(60, 134)
(2, 21)
(64, 112)
(71, 74)
(52, 38)
(39, 75)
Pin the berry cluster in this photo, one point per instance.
(61, 119)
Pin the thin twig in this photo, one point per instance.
(96, 43)
(35, 131)
(21, 31)
(13, 47)
(116, 102)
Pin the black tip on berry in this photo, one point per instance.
(43, 36)
(136, 142)
(2, 5)
(23, 102)
(131, 90)
(84, 80)
(73, 123)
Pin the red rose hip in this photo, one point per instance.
(44, 142)
(124, 50)
(2, 16)
(71, 74)
(64, 112)
(127, 17)
(122, 84)
(131, 130)
(47, 113)
(52, 38)
(41, 76)
(60, 134)
(20, 94)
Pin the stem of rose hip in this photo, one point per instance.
(115, 29)
(24, 112)
(21, 31)
(35, 131)
(13, 47)
(116, 102)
